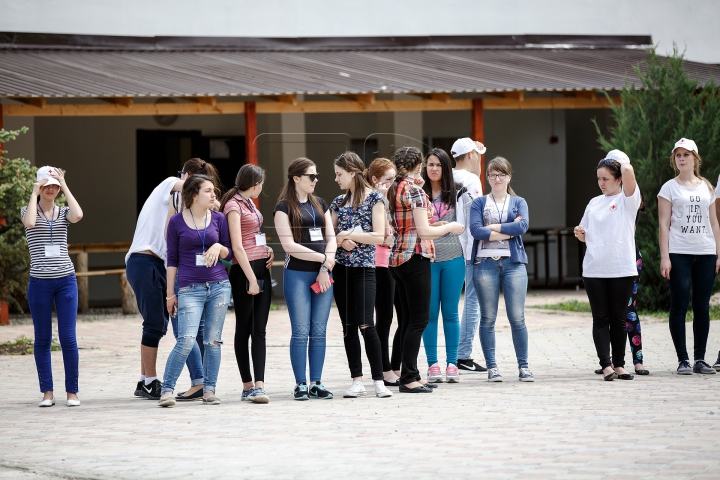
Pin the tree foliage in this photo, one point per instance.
(16, 181)
(666, 106)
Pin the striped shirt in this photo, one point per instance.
(250, 222)
(39, 236)
(447, 247)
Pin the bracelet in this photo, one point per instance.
(170, 298)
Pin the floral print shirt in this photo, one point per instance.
(350, 217)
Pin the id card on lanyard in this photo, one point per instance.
(200, 257)
(51, 250)
(315, 232)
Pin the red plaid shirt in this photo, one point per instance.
(408, 197)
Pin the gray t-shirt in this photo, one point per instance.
(447, 247)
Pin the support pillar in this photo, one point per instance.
(251, 151)
(4, 307)
(478, 130)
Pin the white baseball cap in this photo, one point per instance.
(687, 144)
(463, 146)
(618, 155)
(44, 172)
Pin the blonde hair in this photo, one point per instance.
(696, 167)
(501, 165)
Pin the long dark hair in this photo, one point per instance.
(447, 184)
(191, 187)
(351, 163)
(247, 177)
(198, 166)
(406, 159)
(289, 195)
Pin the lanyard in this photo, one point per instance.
(500, 212)
(252, 206)
(49, 222)
(310, 212)
(437, 211)
(202, 239)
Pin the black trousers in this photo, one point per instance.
(385, 298)
(251, 317)
(354, 292)
(608, 301)
(413, 281)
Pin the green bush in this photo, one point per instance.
(16, 181)
(666, 106)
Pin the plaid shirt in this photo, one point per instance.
(408, 197)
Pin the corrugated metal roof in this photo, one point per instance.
(58, 72)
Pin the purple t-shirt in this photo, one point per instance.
(183, 243)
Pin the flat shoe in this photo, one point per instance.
(429, 385)
(166, 402)
(211, 401)
(422, 389)
(47, 403)
(73, 403)
(642, 372)
(625, 376)
(610, 376)
(392, 384)
(181, 397)
(599, 371)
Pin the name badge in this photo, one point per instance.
(260, 239)
(316, 234)
(199, 260)
(357, 229)
(52, 250)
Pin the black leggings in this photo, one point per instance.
(632, 322)
(609, 307)
(354, 293)
(251, 317)
(385, 297)
(413, 281)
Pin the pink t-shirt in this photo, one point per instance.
(250, 222)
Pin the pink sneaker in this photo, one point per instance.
(451, 373)
(434, 374)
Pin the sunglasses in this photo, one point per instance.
(311, 176)
(605, 162)
(181, 173)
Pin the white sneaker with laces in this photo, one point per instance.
(381, 390)
(494, 375)
(357, 389)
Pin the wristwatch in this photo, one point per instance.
(323, 268)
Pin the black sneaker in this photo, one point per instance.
(138, 388)
(300, 392)
(468, 365)
(319, 391)
(702, 367)
(152, 391)
(717, 364)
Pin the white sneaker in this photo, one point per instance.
(47, 403)
(381, 390)
(357, 389)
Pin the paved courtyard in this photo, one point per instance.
(568, 424)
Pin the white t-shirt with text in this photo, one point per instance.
(150, 229)
(690, 231)
(609, 223)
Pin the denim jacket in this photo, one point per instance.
(517, 207)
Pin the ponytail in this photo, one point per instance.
(198, 166)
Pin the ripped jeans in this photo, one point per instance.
(208, 301)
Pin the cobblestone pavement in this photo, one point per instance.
(568, 424)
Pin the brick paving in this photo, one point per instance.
(568, 424)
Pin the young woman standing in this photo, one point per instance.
(497, 222)
(193, 256)
(411, 258)
(609, 267)
(304, 227)
(249, 278)
(689, 252)
(381, 175)
(448, 268)
(52, 279)
(359, 217)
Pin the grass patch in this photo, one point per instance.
(584, 307)
(23, 345)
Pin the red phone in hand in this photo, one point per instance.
(315, 287)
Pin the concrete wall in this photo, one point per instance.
(692, 24)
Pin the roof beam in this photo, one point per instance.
(210, 100)
(516, 95)
(238, 108)
(289, 99)
(34, 101)
(123, 101)
(586, 94)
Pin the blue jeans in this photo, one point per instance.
(446, 281)
(40, 294)
(697, 271)
(488, 276)
(470, 316)
(309, 314)
(194, 360)
(209, 300)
